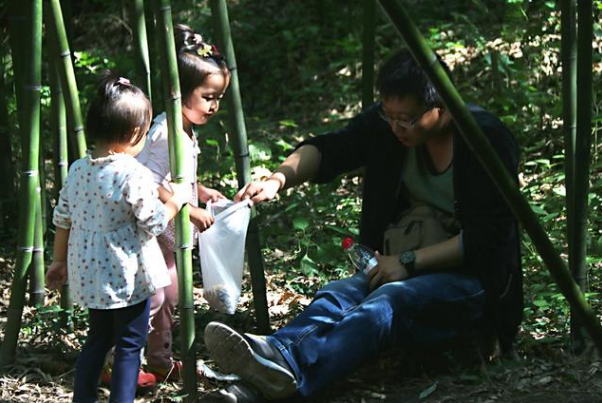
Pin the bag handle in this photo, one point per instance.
(228, 211)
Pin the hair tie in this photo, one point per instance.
(124, 81)
(205, 50)
(215, 50)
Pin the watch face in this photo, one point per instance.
(407, 257)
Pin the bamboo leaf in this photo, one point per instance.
(428, 391)
(300, 223)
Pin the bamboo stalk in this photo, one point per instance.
(490, 161)
(56, 27)
(141, 46)
(569, 118)
(171, 86)
(36, 271)
(368, 53)
(581, 159)
(7, 170)
(58, 123)
(30, 130)
(151, 37)
(219, 11)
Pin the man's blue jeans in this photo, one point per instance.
(346, 324)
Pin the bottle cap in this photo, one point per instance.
(347, 242)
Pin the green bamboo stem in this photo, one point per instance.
(56, 27)
(583, 138)
(7, 173)
(581, 158)
(37, 281)
(219, 11)
(173, 98)
(17, 24)
(30, 130)
(58, 123)
(368, 40)
(151, 36)
(569, 117)
(490, 161)
(141, 46)
(36, 270)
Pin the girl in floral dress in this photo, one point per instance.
(107, 219)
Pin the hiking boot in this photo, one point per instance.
(233, 353)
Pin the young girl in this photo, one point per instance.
(204, 77)
(107, 218)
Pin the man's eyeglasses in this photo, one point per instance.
(398, 122)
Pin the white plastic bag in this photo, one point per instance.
(222, 249)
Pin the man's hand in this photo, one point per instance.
(206, 194)
(259, 191)
(387, 270)
(56, 276)
(201, 218)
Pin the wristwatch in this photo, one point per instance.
(408, 260)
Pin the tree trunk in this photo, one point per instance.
(153, 53)
(580, 177)
(62, 57)
(171, 85)
(478, 142)
(143, 71)
(59, 127)
(569, 118)
(7, 170)
(36, 271)
(368, 53)
(221, 21)
(30, 130)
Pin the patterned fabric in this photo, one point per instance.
(112, 209)
(155, 156)
(168, 237)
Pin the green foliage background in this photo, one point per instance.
(299, 65)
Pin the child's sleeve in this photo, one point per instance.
(157, 160)
(141, 193)
(61, 217)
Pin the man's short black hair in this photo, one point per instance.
(401, 76)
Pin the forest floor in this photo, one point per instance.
(43, 370)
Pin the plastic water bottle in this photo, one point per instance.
(361, 256)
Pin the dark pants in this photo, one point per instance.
(126, 329)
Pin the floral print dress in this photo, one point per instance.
(112, 209)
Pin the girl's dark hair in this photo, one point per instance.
(196, 60)
(117, 110)
(401, 76)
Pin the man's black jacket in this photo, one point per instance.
(489, 230)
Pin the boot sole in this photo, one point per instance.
(234, 354)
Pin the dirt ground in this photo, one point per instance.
(543, 372)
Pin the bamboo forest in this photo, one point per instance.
(316, 152)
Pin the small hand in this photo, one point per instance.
(389, 269)
(259, 191)
(206, 194)
(56, 276)
(201, 218)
